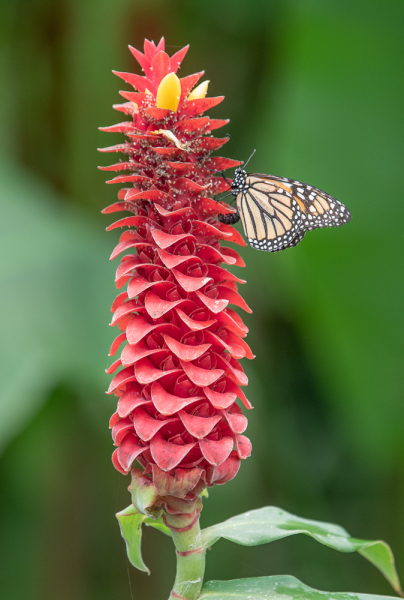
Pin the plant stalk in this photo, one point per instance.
(191, 556)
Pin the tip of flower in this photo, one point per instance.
(200, 91)
(169, 92)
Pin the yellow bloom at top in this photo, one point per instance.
(200, 91)
(169, 92)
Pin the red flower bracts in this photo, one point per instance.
(177, 413)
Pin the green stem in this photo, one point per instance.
(190, 562)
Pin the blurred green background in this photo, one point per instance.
(317, 87)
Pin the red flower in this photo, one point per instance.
(177, 412)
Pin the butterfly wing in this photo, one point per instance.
(271, 218)
(276, 211)
(319, 209)
(297, 239)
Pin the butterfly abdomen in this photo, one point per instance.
(229, 219)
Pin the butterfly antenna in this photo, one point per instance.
(214, 171)
(207, 168)
(235, 147)
(245, 164)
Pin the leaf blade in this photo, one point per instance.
(270, 523)
(372, 553)
(157, 524)
(278, 587)
(130, 523)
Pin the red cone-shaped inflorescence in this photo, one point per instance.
(177, 413)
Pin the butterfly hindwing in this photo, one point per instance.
(297, 239)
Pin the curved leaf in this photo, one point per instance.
(278, 587)
(270, 523)
(157, 524)
(130, 523)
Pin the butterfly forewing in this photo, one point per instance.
(318, 208)
(276, 211)
(271, 217)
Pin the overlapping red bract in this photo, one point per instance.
(177, 412)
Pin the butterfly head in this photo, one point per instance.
(239, 181)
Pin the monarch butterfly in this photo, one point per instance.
(276, 212)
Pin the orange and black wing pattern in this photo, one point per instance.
(276, 211)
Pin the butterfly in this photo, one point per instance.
(276, 211)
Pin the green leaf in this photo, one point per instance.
(278, 587)
(270, 523)
(157, 524)
(130, 523)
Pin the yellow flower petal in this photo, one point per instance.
(200, 91)
(169, 92)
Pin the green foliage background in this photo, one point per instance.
(317, 87)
